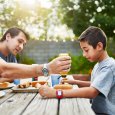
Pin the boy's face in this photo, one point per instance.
(89, 52)
(16, 44)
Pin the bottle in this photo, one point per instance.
(35, 79)
(63, 73)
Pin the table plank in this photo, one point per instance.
(16, 104)
(34, 104)
(85, 106)
(7, 95)
(40, 106)
(75, 106)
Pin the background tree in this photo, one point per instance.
(14, 13)
(79, 14)
(41, 22)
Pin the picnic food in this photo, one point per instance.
(63, 86)
(37, 85)
(33, 83)
(4, 85)
(24, 85)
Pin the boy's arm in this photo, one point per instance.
(82, 83)
(78, 82)
(85, 92)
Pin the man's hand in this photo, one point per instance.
(59, 64)
(47, 92)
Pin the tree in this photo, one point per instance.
(13, 14)
(79, 14)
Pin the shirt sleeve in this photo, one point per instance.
(103, 81)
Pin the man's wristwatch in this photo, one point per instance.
(45, 70)
(59, 94)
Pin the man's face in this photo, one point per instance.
(16, 44)
(89, 52)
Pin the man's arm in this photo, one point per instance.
(14, 70)
(5, 80)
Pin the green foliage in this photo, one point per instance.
(25, 59)
(14, 13)
(78, 15)
(80, 65)
(111, 54)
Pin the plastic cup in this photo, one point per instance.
(55, 79)
(16, 81)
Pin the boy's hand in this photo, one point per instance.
(68, 81)
(47, 92)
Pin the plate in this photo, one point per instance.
(10, 86)
(25, 90)
(2, 93)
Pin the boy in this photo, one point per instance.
(101, 89)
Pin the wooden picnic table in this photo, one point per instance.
(33, 104)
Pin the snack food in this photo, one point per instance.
(63, 86)
(4, 85)
(38, 85)
(33, 83)
(42, 82)
(24, 85)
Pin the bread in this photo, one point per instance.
(4, 85)
(24, 85)
(33, 83)
(42, 82)
(37, 85)
(63, 86)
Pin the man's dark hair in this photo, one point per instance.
(14, 31)
(93, 35)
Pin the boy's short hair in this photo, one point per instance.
(93, 35)
(14, 31)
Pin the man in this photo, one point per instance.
(14, 70)
(11, 44)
